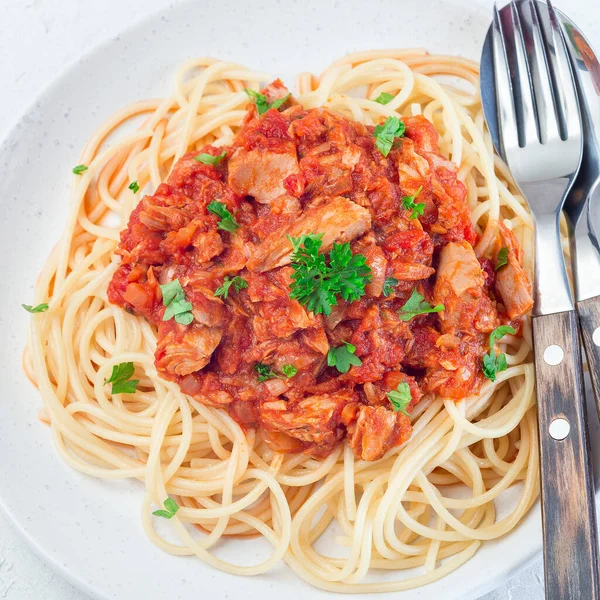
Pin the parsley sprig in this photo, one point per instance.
(502, 258)
(386, 134)
(384, 98)
(317, 282)
(134, 186)
(177, 306)
(416, 305)
(209, 159)
(171, 508)
(265, 372)
(492, 363)
(35, 309)
(227, 222)
(343, 357)
(400, 398)
(79, 169)
(418, 208)
(260, 100)
(289, 370)
(388, 286)
(237, 282)
(120, 379)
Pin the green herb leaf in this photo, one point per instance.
(502, 258)
(278, 103)
(316, 284)
(79, 169)
(417, 208)
(386, 134)
(209, 159)
(489, 367)
(171, 509)
(289, 370)
(120, 379)
(264, 372)
(400, 398)
(177, 306)
(35, 309)
(499, 333)
(384, 98)
(260, 100)
(134, 187)
(343, 357)
(227, 222)
(416, 305)
(237, 282)
(492, 364)
(388, 286)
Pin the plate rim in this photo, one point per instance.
(11, 132)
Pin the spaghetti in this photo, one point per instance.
(406, 510)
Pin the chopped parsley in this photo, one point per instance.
(237, 282)
(209, 159)
(120, 378)
(278, 103)
(289, 370)
(400, 398)
(260, 100)
(388, 286)
(171, 508)
(492, 363)
(343, 357)
(134, 187)
(264, 372)
(384, 98)
(177, 306)
(502, 258)
(317, 281)
(418, 208)
(79, 169)
(227, 222)
(35, 309)
(386, 134)
(416, 305)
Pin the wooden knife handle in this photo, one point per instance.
(568, 502)
(589, 321)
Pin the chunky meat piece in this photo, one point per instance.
(512, 283)
(459, 287)
(262, 174)
(314, 421)
(457, 372)
(339, 219)
(183, 350)
(376, 431)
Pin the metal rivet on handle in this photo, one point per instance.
(559, 429)
(553, 355)
(596, 336)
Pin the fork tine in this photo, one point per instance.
(507, 119)
(567, 105)
(541, 78)
(522, 73)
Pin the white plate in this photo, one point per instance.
(88, 529)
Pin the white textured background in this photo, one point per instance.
(38, 38)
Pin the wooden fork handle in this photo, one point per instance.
(568, 501)
(589, 321)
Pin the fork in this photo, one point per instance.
(539, 130)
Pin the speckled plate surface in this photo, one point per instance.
(90, 530)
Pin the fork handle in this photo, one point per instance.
(589, 320)
(568, 502)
